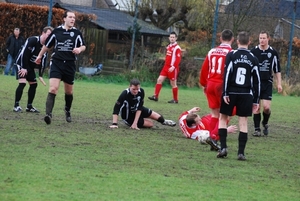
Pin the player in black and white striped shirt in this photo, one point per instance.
(26, 66)
(130, 106)
(268, 64)
(68, 43)
(241, 89)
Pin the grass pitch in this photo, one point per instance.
(85, 160)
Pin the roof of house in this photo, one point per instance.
(115, 20)
(265, 8)
(107, 18)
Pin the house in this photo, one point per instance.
(107, 36)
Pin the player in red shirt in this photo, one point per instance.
(212, 75)
(195, 127)
(170, 69)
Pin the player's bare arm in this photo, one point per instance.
(38, 59)
(136, 118)
(115, 121)
(78, 50)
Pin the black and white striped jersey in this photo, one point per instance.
(128, 104)
(27, 55)
(241, 74)
(64, 41)
(268, 62)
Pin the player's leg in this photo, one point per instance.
(256, 121)
(243, 110)
(161, 78)
(68, 101)
(158, 117)
(174, 86)
(266, 104)
(31, 95)
(31, 78)
(18, 94)
(53, 89)
(243, 137)
(172, 76)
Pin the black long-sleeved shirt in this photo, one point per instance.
(242, 74)
(27, 55)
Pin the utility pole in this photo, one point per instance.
(133, 34)
(50, 13)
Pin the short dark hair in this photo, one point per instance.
(265, 32)
(45, 29)
(190, 119)
(243, 38)
(173, 33)
(226, 35)
(135, 82)
(66, 13)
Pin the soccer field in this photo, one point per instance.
(85, 160)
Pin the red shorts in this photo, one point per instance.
(214, 94)
(170, 75)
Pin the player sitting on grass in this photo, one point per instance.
(130, 106)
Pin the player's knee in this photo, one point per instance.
(33, 86)
(22, 85)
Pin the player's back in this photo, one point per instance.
(216, 59)
(240, 64)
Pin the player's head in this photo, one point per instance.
(227, 35)
(69, 19)
(264, 38)
(45, 33)
(243, 38)
(173, 37)
(192, 119)
(134, 86)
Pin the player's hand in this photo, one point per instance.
(76, 50)
(279, 88)
(255, 108)
(171, 69)
(204, 90)
(226, 99)
(22, 72)
(42, 81)
(134, 126)
(38, 60)
(232, 129)
(113, 126)
(196, 109)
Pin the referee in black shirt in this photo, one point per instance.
(269, 65)
(67, 42)
(241, 89)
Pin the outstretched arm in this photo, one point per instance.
(194, 109)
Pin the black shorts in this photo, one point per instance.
(266, 89)
(63, 70)
(243, 103)
(146, 112)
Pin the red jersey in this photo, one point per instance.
(213, 66)
(173, 56)
(191, 132)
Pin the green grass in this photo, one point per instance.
(85, 160)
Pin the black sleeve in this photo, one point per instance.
(256, 82)
(141, 105)
(27, 50)
(119, 102)
(43, 64)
